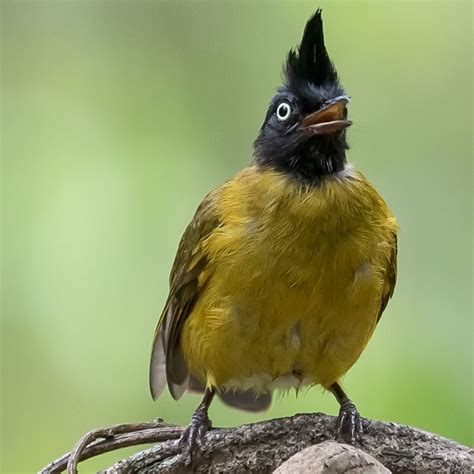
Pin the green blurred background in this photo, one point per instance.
(117, 118)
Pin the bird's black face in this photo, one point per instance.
(305, 136)
(304, 129)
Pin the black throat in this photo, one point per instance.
(317, 159)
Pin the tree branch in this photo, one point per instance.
(262, 447)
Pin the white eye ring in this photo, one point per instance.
(283, 111)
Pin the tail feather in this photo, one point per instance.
(157, 368)
(247, 400)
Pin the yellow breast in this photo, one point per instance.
(294, 281)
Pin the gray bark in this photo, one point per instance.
(262, 447)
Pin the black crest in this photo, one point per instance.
(310, 61)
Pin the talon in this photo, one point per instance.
(341, 420)
(193, 438)
(183, 439)
(349, 425)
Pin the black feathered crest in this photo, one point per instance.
(310, 61)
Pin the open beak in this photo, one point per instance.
(329, 119)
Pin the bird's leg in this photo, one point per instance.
(193, 437)
(349, 425)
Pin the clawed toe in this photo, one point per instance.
(193, 439)
(349, 425)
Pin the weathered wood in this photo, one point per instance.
(262, 447)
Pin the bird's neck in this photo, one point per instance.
(309, 166)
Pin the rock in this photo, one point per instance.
(331, 457)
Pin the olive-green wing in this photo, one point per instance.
(186, 284)
(390, 278)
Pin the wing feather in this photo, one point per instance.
(390, 278)
(167, 362)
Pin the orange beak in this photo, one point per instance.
(329, 119)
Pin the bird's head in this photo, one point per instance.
(304, 129)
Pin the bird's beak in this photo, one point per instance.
(329, 119)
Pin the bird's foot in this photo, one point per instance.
(192, 440)
(349, 425)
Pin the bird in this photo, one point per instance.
(283, 274)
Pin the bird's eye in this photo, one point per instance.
(283, 111)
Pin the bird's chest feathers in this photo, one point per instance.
(296, 277)
(278, 233)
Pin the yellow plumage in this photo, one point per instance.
(293, 282)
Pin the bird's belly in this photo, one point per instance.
(281, 317)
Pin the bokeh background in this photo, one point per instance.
(118, 117)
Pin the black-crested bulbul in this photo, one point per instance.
(285, 270)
